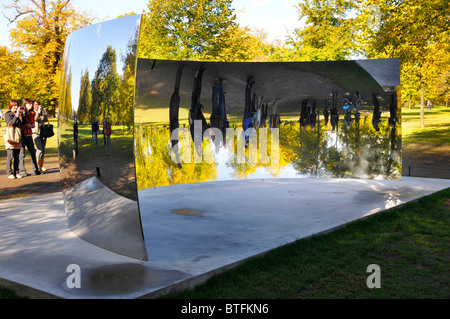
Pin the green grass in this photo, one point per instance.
(437, 126)
(6, 293)
(410, 244)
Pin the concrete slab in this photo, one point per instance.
(191, 232)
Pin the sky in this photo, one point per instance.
(274, 16)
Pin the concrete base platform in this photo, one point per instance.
(191, 232)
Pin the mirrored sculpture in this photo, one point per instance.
(128, 124)
(96, 136)
(212, 121)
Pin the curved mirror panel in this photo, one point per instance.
(203, 122)
(96, 148)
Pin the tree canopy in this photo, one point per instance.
(41, 29)
(416, 32)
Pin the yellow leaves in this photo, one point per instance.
(41, 28)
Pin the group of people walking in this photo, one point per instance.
(29, 118)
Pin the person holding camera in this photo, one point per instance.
(13, 118)
(40, 142)
(27, 141)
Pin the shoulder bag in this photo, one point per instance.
(12, 134)
(47, 130)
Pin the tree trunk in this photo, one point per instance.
(422, 105)
(410, 103)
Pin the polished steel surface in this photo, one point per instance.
(293, 103)
(96, 136)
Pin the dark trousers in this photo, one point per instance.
(29, 144)
(218, 99)
(10, 156)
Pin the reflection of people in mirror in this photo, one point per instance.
(334, 113)
(196, 111)
(247, 120)
(348, 119)
(274, 119)
(104, 131)
(257, 111)
(264, 114)
(313, 115)
(174, 108)
(326, 113)
(95, 130)
(376, 119)
(108, 131)
(308, 114)
(219, 114)
(75, 136)
(393, 110)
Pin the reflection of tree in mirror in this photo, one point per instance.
(108, 94)
(65, 97)
(155, 164)
(85, 98)
(258, 155)
(128, 83)
(309, 148)
(106, 88)
(356, 151)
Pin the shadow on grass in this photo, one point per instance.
(438, 135)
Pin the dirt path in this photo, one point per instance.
(47, 183)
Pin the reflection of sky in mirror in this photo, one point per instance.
(88, 45)
(225, 172)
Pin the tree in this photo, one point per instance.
(328, 31)
(41, 30)
(185, 29)
(443, 87)
(416, 32)
(12, 84)
(240, 44)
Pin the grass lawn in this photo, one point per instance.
(437, 126)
